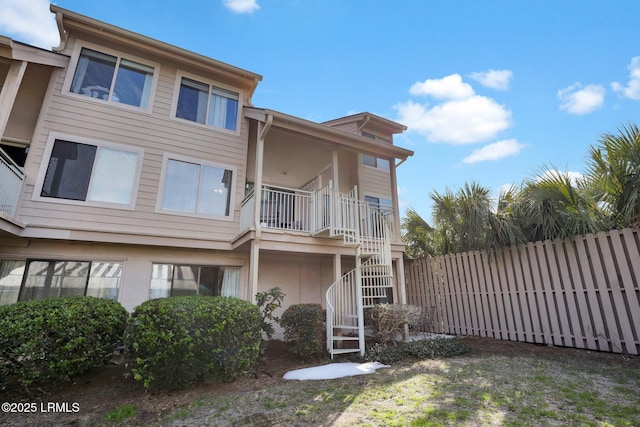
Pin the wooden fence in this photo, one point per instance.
(581, 293)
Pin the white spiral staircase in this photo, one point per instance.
(367, 229)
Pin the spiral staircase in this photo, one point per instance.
(368, 229)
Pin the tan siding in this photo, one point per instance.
(374, 182)
(348, 127)
(156, 133)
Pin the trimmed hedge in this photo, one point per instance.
(180, 341)
(53, 339)
(429, 348)
(303, 329)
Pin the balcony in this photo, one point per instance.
(325, 212)
(281, 209)
(11, 178)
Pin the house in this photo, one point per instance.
(133, 169)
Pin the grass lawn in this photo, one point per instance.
(476, 390)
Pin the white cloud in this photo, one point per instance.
(29, 21)
(632, 90)
(495, 79)
(449, 87)
(241, 6)
(463, 121)
(495, 151)
(573, 176)
(576, 99)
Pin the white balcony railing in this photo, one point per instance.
(281, 209)
(11, 178)
(311, 212)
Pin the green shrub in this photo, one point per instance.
(180, 341)
(388, 320)
(303, 329)
(422, 349)
(268, 302)
(53, 339)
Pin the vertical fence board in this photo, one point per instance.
(497, 309)
(484, 296)
(530, 291)
(586, 337)
(523, 309)
(559, 294)
(569, 296)
(470, 317)
(602, 290)
(512, 288)
(476, 293)
(632, 282)
(547, 307)
(595, 308)
(616, 286)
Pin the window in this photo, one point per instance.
(384, 205)
(194, 188)
(112, 78)
(176, 280)
(23, 280)
(90, 172)
(207, 104)
(375, 162)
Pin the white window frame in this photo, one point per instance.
(75, 56)
(377, 166)
(212, 84)
(163, 177)
(44, 165)
(190, 263)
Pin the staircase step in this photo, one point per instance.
(345, 327)
(344, 350)
(342, 338)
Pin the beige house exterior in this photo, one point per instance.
(130, 168)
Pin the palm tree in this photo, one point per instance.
(614, 171)
(418, 236)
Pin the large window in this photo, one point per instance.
(112, 78)
(91, 173)
(23, 280)
(207, 104)
(176, 280)
(375, 162)
(194, 188)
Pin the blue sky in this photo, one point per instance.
(492, 91)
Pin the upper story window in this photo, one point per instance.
(193, 187)
(205, 103)
(375, 162)
(89, 172)
(113, 78)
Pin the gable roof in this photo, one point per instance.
(370, 121)
(345, 139)
(68, 20)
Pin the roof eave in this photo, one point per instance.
(346, 139)
(71, 20)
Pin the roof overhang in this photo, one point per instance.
(372, 121)
(71, 21)
(13, 50)
(323, 132)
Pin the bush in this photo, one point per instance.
(268, 302)
(388, 320)
(53, 339)
(303, 329)
(180, 341)
(421, 349)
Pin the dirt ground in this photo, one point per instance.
(103, 389)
